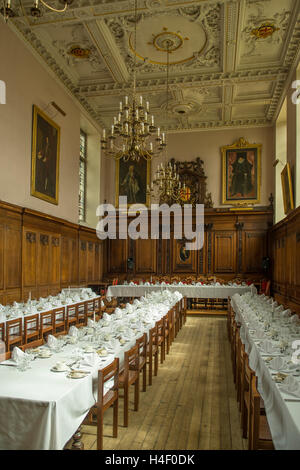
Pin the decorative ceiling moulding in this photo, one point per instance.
(205, 80)
(188, 27)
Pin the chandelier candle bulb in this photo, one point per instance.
(121, 106)
(112, 130)
(141, 100)
(147, 106)
(126, 100)
(152, 120)
(104, 133)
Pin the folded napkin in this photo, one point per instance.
(51, 341)
(277, 363)
(73, 331)
(17, 354)
(285, 313)
(106, 317)
(89, 360)
(91, 323)
(291, 385)
(267, 347)
(260, 334)
(294, 318)
(102, 303)
(279, 309)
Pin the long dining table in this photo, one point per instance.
(42, 409)
(216, 291)
(282, 408)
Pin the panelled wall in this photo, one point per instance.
(234, 244)
(42, 254)
(284, 239)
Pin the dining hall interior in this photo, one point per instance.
(130, 129)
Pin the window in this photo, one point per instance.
(82, 176)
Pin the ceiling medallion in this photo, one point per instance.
(167, 41)
(264, 31)
(79, 52)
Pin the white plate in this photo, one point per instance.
(78, 375)
(53, 369)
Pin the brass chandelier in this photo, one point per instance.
(35, 11)
(133, 134)
(166, 177)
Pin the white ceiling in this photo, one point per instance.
(221, 75)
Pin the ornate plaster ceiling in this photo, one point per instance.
(230, 61)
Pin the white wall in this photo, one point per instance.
(28, 83)
(207, 145)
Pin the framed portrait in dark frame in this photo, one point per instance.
(45, 157)
(241, 167)
(132, 179)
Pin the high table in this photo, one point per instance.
(282, 410)
(41, 409)
(189, 291)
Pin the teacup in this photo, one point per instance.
(60, 366)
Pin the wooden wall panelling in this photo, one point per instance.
(29, 262)
(83, 252)
(145, 256)
(117, 256)
(2, 251)
(225, 252)
(90, 261)
(184, 261)
(254, 248)
(284, 239)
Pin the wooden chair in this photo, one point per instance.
(176, 320)
(59, 321)
(97, 308)
(71, 316)
(81, 314)
(166, 319)
(90, 309)
(14, 333)
(108, 395)
(184, 309)
(160, 339)
(259, 434)
(31, 328)
(46, 324)
(2, 332)
(5, 356)
(142, 345)
(34, 344)
(130, 376)
(152, 353)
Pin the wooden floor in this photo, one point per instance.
(192, 402)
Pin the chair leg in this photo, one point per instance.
(115, 418)
(156, 363)
(150, 369)
(144, 378)
(136, 394)
(126, 399)
(100, 429)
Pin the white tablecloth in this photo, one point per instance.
(40, 409)
(19, 314)
(189, 291)
(283, 416)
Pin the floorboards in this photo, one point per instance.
(191, 403)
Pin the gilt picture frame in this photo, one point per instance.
(45, 157)
(287, 189)
(241, 173)
(132, 179)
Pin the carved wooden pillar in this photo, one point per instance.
(208, 229)
(239, 226)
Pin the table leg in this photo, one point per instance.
(77, 444)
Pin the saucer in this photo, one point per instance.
(74, 374)
(44, 356)
(53, 369)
